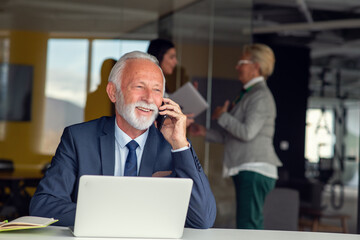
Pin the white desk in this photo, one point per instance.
(63, 233)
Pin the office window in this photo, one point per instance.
(319, 139)
(65, 89)
(352, 144)
(352, 136)
(66, 70)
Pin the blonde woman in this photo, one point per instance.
(248, 125)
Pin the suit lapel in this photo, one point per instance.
(107, 147)
(148, 158)
(253, 89)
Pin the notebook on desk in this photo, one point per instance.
(140, 207)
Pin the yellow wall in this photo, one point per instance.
(194, 58)
(21, 140)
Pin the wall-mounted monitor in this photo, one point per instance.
(16, 83)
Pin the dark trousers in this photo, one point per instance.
(251, 189)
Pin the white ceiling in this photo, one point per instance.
(108, 18)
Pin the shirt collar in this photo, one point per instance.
(122, 138)
(254, 81)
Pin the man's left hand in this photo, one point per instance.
(174, 127)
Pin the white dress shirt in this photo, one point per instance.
(121, 151)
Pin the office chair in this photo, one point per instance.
(6, 166)
(281, 209)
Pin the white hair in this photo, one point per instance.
(117, 71)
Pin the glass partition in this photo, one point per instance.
(209, 36)
(66, 54)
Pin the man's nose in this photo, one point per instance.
(148, 95)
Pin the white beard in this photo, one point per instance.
(127, 111)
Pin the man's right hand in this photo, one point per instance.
(174, 128)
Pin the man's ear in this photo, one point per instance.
(111, 91)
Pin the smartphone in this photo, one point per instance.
(160, 120)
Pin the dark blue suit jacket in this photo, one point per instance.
(89, 148)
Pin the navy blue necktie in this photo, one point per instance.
(131, 160)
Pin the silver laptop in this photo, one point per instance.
(132, 207)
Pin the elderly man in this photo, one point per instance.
(100, 147)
